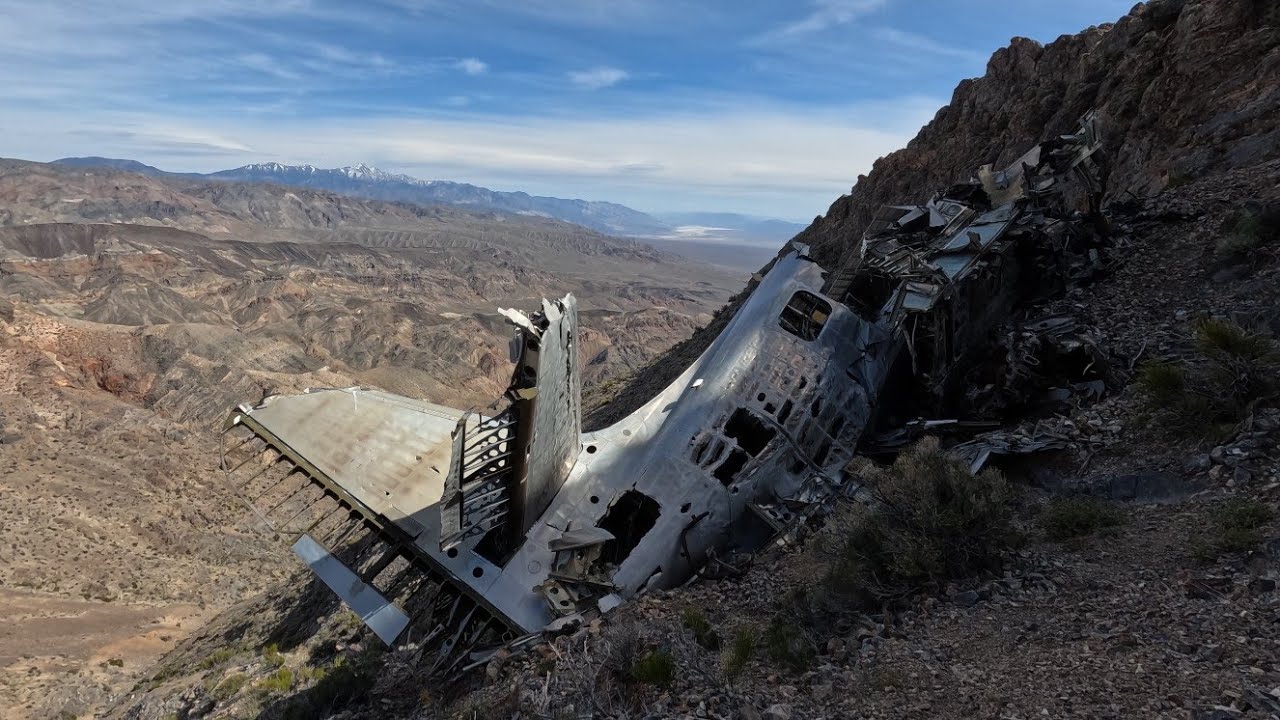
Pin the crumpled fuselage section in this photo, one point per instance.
(460, 529)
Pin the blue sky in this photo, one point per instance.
(769, 108)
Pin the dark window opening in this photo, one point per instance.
(761, 397)
(820, 457)
(837, 424)
(749, 430)
(732, 465)
(816, 408)
(785, 412)
(804, 382)
(629, 520)
(769, 408)
(805, 315)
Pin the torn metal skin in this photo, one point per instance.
(479, 526)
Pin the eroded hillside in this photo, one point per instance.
(136, 312)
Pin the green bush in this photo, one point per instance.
(1234, 528)
(229, 686)
(703, 633)
(336, 686)
(278, 682)
(1248, 230)
(655, 668)
(930, 521)
(1165, 383)
(217, 657)
(788, 645)
(1208, 395)
(271, 655)
(740, 652)
(1066, 518)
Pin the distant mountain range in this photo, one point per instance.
(369, 182)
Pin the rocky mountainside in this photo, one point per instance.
(1139, 578)
(368, 182)
(135, 311)
(1183, 88)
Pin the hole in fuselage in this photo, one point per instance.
(628, 520)
(749, 430)
(785, 412)
(729, 469)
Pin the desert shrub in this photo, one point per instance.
(341, 683)
(655, 668)
(1163, 382)
(1233, 369)
(740, 652)
(884, 678)
(623, 648)
(1066, 518)
(703, 633)
(930, 520)
(218, 657)
(788, 645)
(229, 686)
(271, 655)
(1249, 230)
(1234, 527)
(1177, 179)
(278, 682)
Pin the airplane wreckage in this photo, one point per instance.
(461, 530)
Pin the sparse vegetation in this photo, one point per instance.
(931, 520)
(703, 633)
(1207, 396)
(229, 686)
(278, 682)
(115, 662)
(655, 668)
(740, 652)
(1234, 528)
(885, 678)
(788, 645)
(1067, 518)
(1248, 231)
(271, 655)
(344, 681)
(218, 657)
(1177, 179)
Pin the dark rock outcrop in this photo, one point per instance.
(1182, 87)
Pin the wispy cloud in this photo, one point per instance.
(788, 160)
(825, 14)
(472, 66)
(597, 78)
(920, 43)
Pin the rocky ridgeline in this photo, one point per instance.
(1183, 88)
